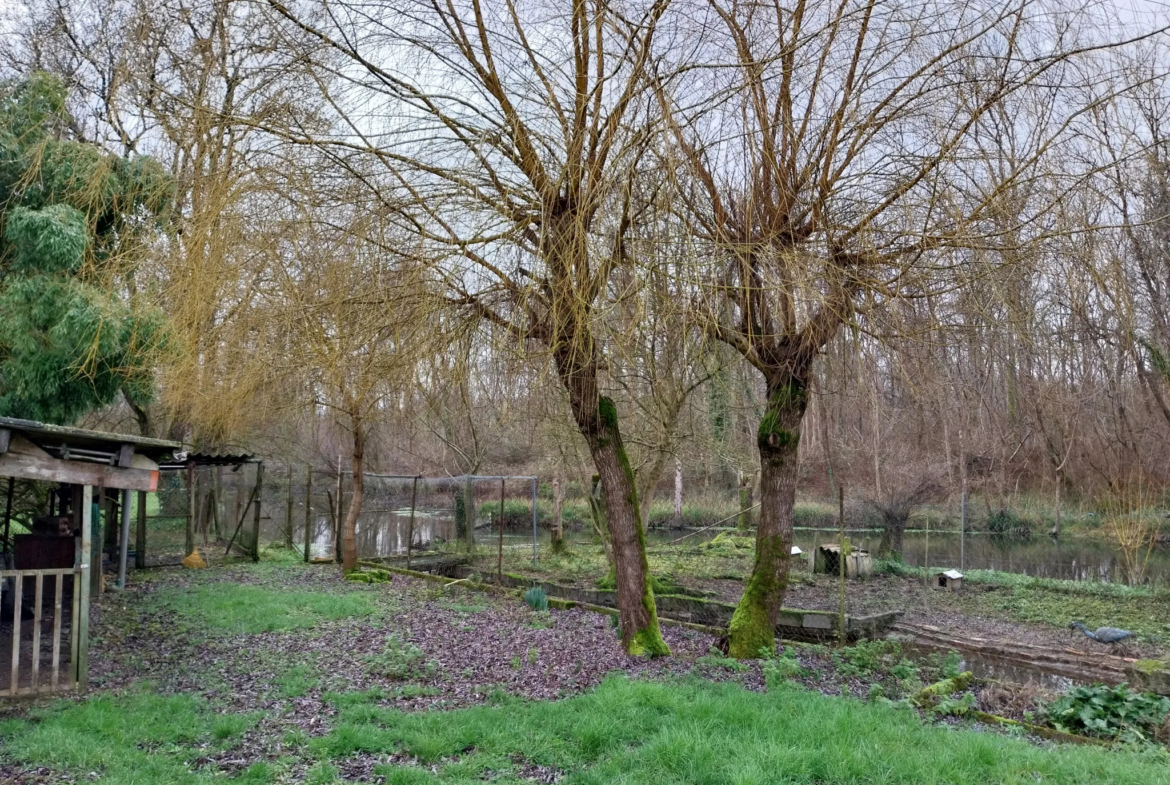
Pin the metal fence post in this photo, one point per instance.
(533, 521)
(308, 513)
(963, 533)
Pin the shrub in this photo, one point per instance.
(1109, 712)
(782, 668)
(1006, 524)
(536, 598)
(865, 657)
(401, 660)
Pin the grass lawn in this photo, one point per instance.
(236, 608)
(686, 731)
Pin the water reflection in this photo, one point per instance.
(1075, 559)
(384, 533)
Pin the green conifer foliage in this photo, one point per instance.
(73, 223)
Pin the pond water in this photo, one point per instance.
(1069, 558)
(384, 533)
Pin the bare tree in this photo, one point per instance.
(837, 182)
(517, 134)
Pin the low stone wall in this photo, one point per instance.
(793, 624)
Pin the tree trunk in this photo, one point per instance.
(678, 492)
(637, 611)
(745, 503)
(597, 419)
(558, 523)
(597, 514)
(1055, 532)
(349, 525)
(893, 532)
(753, 625)
(469, 513)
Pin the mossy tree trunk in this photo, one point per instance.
(349, 523)
(597, 419)
(753, 625)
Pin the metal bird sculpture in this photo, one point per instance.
(1103, 634)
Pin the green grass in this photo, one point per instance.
(695, 732)
(296, 681)
(235, 608)
(690, 732)
(139, 739)
(1143, 609)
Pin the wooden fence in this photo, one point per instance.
(25, 674)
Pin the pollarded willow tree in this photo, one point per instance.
(840, 166)
(508, 138)
(73, 222)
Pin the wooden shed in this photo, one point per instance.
(56, 560)
(948, 580)
(827, 560)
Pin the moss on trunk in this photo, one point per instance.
(753, 626)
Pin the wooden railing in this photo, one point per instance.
(33, 683)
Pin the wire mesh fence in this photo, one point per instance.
(240, 508)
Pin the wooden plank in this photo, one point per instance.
(19, 445)
(17, 599)
(50, 469)
(60, 588)
(5, 439)
(46, 571)
(36, 641)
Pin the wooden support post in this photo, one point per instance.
(288, 509)
(140, 538)
(500, 556)
(189, 543)
(410, 526)
(124, 549)
(308, 515)
(256, 512)
(8, 516)
(81, 617)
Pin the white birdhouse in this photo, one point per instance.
(949, 580)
